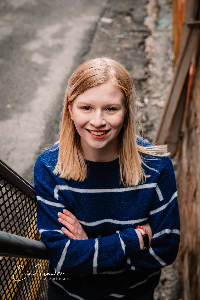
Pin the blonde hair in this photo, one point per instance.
(71, 163)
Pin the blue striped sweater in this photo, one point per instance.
(110, 263)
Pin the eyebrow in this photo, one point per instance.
(110, 104)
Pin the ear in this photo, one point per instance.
(70, 111)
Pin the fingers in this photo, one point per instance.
(74, 229)
(68, 218)
(68, 233)
(68, 225)
(69, 214)
(71, 223)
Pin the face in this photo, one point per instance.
(98, 115)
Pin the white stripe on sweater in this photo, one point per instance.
(128, 260)
(135, 285)
(129, 263)
(157, 257)
(96, 246)
(62, 258)
(141, 282)
(42, 230)
(116, 295)
(168, 231)
(97, 191)
(160, 196)
(122, 243)
(111, 295)
(49, 202)
(129, 222)
(72, 295)
(112, 272)
(145, 158)
(163, 206)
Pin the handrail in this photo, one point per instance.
(13, 245)
(18, 181)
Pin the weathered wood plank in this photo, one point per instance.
(189, 196)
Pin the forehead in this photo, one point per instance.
(102, 93)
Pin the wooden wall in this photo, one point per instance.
(188, 180)
(189, 195)
(179, 7)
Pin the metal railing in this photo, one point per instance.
(23, 261)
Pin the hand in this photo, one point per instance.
(75, 230)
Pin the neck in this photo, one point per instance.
(97, 157)
(100, 155)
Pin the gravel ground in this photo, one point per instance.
(139, 34)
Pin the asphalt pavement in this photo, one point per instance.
(41, 43)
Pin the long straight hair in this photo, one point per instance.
(71, 163)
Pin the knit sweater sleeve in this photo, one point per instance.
(164, 220)
(76, 257)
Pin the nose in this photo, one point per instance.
(97, 119)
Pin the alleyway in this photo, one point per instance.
(137, 33)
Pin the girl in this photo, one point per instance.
(107, 200)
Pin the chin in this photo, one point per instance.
(97, 146)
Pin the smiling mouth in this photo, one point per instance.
(98, 133)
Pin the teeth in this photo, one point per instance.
(98, 133)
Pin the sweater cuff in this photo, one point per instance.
(131, 241)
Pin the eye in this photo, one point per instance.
(85, 107)
(111, 108)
